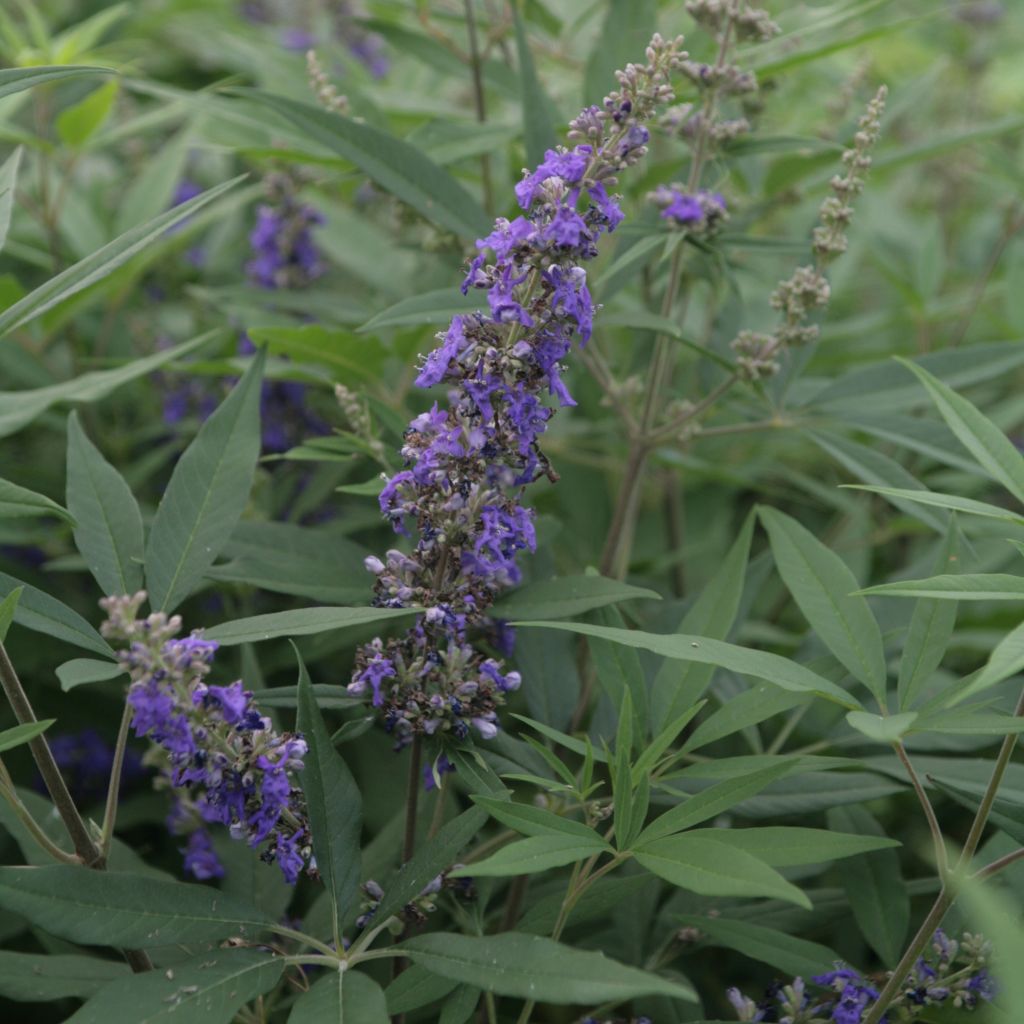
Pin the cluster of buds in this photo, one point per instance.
(467, 463)
(807, 291)
(702, 213)
(950, 973)
(223, 759)
(750, 23)
(323, 88)
(284, 254)
(357, 413)
(417, 910)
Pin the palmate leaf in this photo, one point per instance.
(823, 586)
(118, 908)
(531, 967)
(774, 669)
(343, 997)
(208, 989)
(108, 529)
(206, 496)
(103, 262)
(994, 452)
(392, 163)
(334, 802)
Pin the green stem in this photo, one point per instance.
(998, 865)
(32, 826)
(114, 787)
(929, 812)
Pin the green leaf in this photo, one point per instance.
(432, 857)
(18, 408)
(415, 987)
(17, 502)
(108, 530)
(435, 307)
(300, 622)
(8, 181)
(82, 671)
(395, 165)
(622, 678)
(44, 614)
(968, 586)
(460, 1006)
(342, 351)
(103, 262)
(39, 978)
(537, 113)
(874, 887)
(534, 821)
(206, 496)
(761, 664)
(791, 955)
(748, 708)
(712, 802)
(662, 741)
(208, 989)
(117, 908)
(785, 846)
(881, 728)
(531, 967)
(78, 123)
(1006, 659)
(994, 452)
(567, 596)
(335, 806)
(7, 608)
(343, 997)
(996, 914)
(20, 734)
(949, 501)
(538, 853)
(14, 80)
(677, 687)
(625, 33)
(931, 628)
(711, 868)
(822, 586)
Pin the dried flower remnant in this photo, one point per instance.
(466, 464)
(322, 87)
(222, 758)
(807, 291)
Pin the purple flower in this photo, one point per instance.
(200, 859)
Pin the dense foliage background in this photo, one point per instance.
(189, 206)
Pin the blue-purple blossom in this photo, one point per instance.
(467, 461)
(224, 760)
(284, 254)
(701, 212)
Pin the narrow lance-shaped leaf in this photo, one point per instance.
(209, 989)
(761, 664)
(7, 608)
(8, 181)
(207, 494)
(566, 596)
(537, 115)
(300, 622)
(677, 687)
(531, 967)
(391, 162)
(994, 452)
(108, 529)
(343, 997)
(931, 628)
(823, 587)
(953, 502)
(874, 886)
(41, 613)
(711, 868)
(20, 734)
(1006, 659)
(102, 262)
(17, 502)
(335, 806)
(14, 80)
(41, 978)
(532, 855)
(100, 908)
(968, 586)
